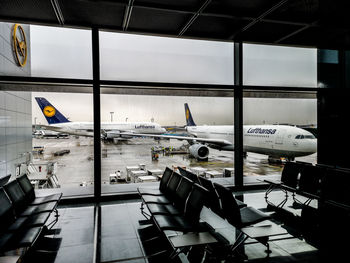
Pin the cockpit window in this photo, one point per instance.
(305, 137)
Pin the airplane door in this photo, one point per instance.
(279, 137)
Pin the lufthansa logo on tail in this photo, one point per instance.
(187, 114)
(49, 111)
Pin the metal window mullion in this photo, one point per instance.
(96, 113)
(238, 114)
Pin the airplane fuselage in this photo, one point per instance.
(272, 140)
(136, 127)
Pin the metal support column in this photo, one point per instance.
(97, 115)
(238, 114)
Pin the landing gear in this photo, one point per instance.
(280, 160)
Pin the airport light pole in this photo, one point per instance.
(112, 112)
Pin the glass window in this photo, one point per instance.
(279, 66)
(60, 52)
(63, 142)
(129, 160)
(129, 57)
(289, 126)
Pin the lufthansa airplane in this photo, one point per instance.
(276, 141)
(109, 130)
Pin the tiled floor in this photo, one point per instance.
(70, 240)
(121, 236)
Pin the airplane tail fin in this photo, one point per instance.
(189, 119)
(52, 115)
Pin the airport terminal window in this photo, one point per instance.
(66, 53)
(279, 66)
(282, 129)
(127, 159)
(63, 142)
(127, 57)
(58, 52)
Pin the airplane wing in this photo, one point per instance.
(217, 142)
(127, 135)
(65, 130)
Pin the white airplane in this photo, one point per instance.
(109, 130)
(276, 141)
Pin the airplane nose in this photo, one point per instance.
(314, 145)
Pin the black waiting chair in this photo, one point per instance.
(182, 193)
(193, 177)
(288, 182)
(29, 192)
(310, 182)
(162, 184)
(213, 201)
(169, 193)
(335, 188)
(18, 222)
(20, 202)
(16, 232)
(237, 217)
(289, 177)
(189, 221)
(4, 179)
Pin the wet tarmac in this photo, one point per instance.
(76, 167)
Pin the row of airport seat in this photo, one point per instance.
(24, 216)
(319, 182)
(177, 203)
(202, 181)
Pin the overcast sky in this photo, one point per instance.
(62, 52)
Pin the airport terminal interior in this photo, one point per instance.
(174, 131)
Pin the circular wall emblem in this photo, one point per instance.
(20, 45)
(49, 111)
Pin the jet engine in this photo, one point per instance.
(199, 151)
(110, 135)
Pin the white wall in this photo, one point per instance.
(15, 107)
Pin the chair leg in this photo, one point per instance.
(144, 213)
(238, 242)
(176, 252)
(282, 203)
(54, 222)
(265, 242)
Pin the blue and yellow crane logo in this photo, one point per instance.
(187, 114)
(49, 111)
(20, 45)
